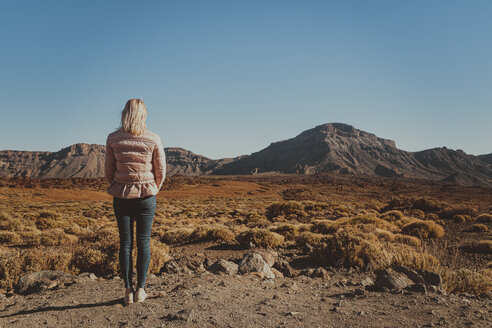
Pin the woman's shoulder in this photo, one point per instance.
(115, 135)
(153, 136)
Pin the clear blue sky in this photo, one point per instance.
(225, 78)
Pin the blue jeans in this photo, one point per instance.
(127, 211)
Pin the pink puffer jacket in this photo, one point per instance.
(135, 166)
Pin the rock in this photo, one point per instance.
(431, 278)
(284, 267)
(43, 280)
(200, 268)
(89, 275)
(224, 266)
(269, 257)
(410, 273)
(183, 315)
(391, 280)
(367, 282)
(172, 267)
(277, 273)
(320, 273)
(253, 262)
(417, 288)
(207, 263)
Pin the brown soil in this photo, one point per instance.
(246, 300)
(241, 301)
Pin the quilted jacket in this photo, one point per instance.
(135, 166)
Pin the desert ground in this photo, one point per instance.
(330, 251)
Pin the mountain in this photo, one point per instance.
(331, 147)
(486, 158)
(341, 148)
(87, 161)
(184, 162)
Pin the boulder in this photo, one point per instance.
(224, 266)
(417, 288)
(284, 267)
(277, 273)
(391, 280)
(253, 262)
(88, 275)
(174, 267)
(410, 273)
(431, 278)
(269, 256)
(43, 280)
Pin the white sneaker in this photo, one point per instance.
(140, 295)
(128, 296)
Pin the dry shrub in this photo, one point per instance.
(407, 240)
(159, 254)
(459, 218)
(344, 248)
(423, 229)
(484, 218)
(95, 213)
(298, 194)
(324, 227)
(260, 237)
(432, 216)
(98, 253)
(50, 223)
(466, 281)
(83, 221)
(289, 231)
(427, 204)
(311, 238)
(412, 257)
(56, 237)
(450, 212)
(315, 206)
(290, 209)
(9, 237)
(380, 233)
(397, 204)
(369, 219)
(418, 214)
(73, 228)
(259, 220)
(212, 233)
(15, 263)
(440, 222)
(46, 258)
(479, 227)
(176, 236)
(31, 238)
(10, 267)
(49, 214)
(7, 222)
(392, 215)
(480, 247)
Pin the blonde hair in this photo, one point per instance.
(133, 117)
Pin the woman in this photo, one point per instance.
(135, 167)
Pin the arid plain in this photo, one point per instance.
(344, 251)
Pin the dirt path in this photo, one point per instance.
(208, 300)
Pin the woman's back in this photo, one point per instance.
(135, 165)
